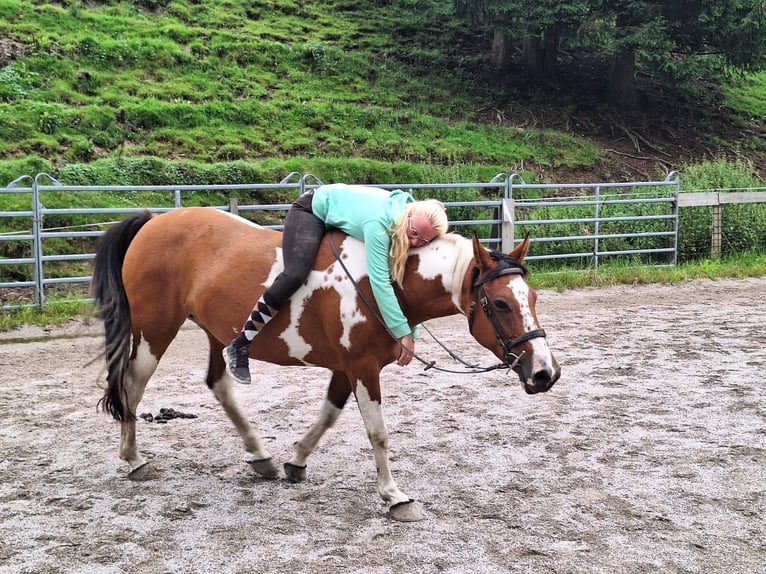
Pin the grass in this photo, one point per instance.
(747, 265)
(211, 81)
(61, 309)
(228, 91)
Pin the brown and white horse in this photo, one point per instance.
(151, 273)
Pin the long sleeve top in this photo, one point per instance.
(368, 214)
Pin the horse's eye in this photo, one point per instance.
(501, 305)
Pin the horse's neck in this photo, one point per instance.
(435, 277)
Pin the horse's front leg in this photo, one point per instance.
(337, 395)
(401, 507)
(220, 383)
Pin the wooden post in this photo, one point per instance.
(233, 206)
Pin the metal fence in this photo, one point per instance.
(513, 208)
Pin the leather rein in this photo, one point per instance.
(510, 359)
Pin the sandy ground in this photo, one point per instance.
(649, 455)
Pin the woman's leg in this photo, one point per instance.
(300, 242)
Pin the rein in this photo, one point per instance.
(489, 310)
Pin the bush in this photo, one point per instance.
(11, 88)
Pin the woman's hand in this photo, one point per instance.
(408, 350)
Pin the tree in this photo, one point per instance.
(678, 40)
(539, 26)
(681, 39)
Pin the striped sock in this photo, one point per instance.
(259, 316)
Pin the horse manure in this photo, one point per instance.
(165, 415)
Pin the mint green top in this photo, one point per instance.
(368, 214)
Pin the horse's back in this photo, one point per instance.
(197, 262)
(210, 266)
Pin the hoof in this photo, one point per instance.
(264, 467)
(407, 511)
(142, 472)
(294, 472)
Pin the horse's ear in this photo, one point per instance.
(520, 251)
(481, 255)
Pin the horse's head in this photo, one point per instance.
(502, 316)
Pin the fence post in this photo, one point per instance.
(304, 179)
(233, 206)
(673, 176)
(597, 227)
(508, 233)
(37, 234)
(508, 226)
(37, 247)
(715, 240)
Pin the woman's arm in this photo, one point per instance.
(376, 245)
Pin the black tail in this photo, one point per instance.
(107, 288)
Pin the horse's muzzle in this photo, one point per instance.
(541, 381)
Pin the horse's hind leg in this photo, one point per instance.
(220, 384)
(140, 369)
(337, 395)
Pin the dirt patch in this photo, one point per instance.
(648, 456)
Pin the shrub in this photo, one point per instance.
(11, 88)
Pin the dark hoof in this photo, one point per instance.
(264, 467)
(407, 511)
(142, 472)
(294, 472)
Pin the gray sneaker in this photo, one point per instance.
(238, 363)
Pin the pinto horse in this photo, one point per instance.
(152, 273)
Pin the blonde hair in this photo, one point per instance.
(400, 242)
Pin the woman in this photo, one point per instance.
(389, 224)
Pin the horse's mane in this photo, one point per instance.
(464, 248)
(464, 254)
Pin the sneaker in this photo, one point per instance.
(238, 363)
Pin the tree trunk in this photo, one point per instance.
(502, 51)
(622, 80)
(540, 59)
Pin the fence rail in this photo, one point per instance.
(590, 231)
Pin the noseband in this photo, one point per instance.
(510, 359)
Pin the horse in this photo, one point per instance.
(153, 272)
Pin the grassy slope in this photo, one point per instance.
(219, 81)
(215, 81)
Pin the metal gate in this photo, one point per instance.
(567, 222)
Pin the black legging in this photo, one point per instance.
(301, 239)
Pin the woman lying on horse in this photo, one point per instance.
(388, 223)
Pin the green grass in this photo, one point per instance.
(72, 305)
(623, 273)
(220, 81)
(747, 98)
(55, 313)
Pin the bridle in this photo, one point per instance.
(510, 359)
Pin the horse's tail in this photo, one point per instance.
(109, 292)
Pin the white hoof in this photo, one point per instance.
(407, 511)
